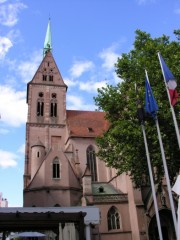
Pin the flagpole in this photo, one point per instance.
(153, 110)
(152, 184)
(171, 107)
(167, 176)
(140, 113)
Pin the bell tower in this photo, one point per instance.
(46, 170)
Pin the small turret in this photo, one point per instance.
(37, 156)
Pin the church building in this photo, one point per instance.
(61, 167)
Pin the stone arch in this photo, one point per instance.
(113, 218)
(56, 171)
(167, 226)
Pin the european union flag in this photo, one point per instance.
(151, 106)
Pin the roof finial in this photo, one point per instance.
(47, 42)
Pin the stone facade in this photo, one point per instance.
(61, 168)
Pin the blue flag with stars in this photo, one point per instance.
(151, 106)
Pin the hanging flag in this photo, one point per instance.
(150, 102)
(176, 189)
(170, 80)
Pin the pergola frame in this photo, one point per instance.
(24, 221)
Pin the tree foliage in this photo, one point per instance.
(122, 146)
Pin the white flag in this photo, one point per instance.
(176, 189)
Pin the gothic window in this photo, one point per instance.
(57, 205)
(40, 108)
(113, 219)
(53, 106)
(44, 77)
(53, 109)
(50, 78)
(91, 161)
(56, 168)
(40, 105)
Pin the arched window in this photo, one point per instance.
(57, 205)
(53, 109)
(56, 169)
(44, 76)
(53, 106)
(40, 108)
(113, 219)
(91, 161)
(50, 78)
(40, 105)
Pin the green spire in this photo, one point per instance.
(47, 42)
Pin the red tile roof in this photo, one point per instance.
(86, 123)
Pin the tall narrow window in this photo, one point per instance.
(44, 77)
(53, 109)
(56, 169)
(53, 106)
(40, 108)
(40, 105)
(91, 161)
(50, 78)
(113, 219)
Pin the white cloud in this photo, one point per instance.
(27, 69)
(21, 149)
(109, 56)
(3, 1)
(70, 82)
(5, 45)
(7, 159)
(9, 12)
(116, 78)
(79, 67)
(77, 103)
(92, 86)
(14, 35)
(13, 107)
(4, 131)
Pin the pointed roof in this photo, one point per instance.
(38, 143)
(48, 41)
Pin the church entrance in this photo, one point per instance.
(167, 226)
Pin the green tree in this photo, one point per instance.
(122, 146)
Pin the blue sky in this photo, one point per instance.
(87, 36)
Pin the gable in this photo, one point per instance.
(47, 74)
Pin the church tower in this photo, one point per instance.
(48, 175)
(62, 167)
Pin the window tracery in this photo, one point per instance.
(91, 161)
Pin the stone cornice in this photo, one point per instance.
(34, 124)
(110, 198)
